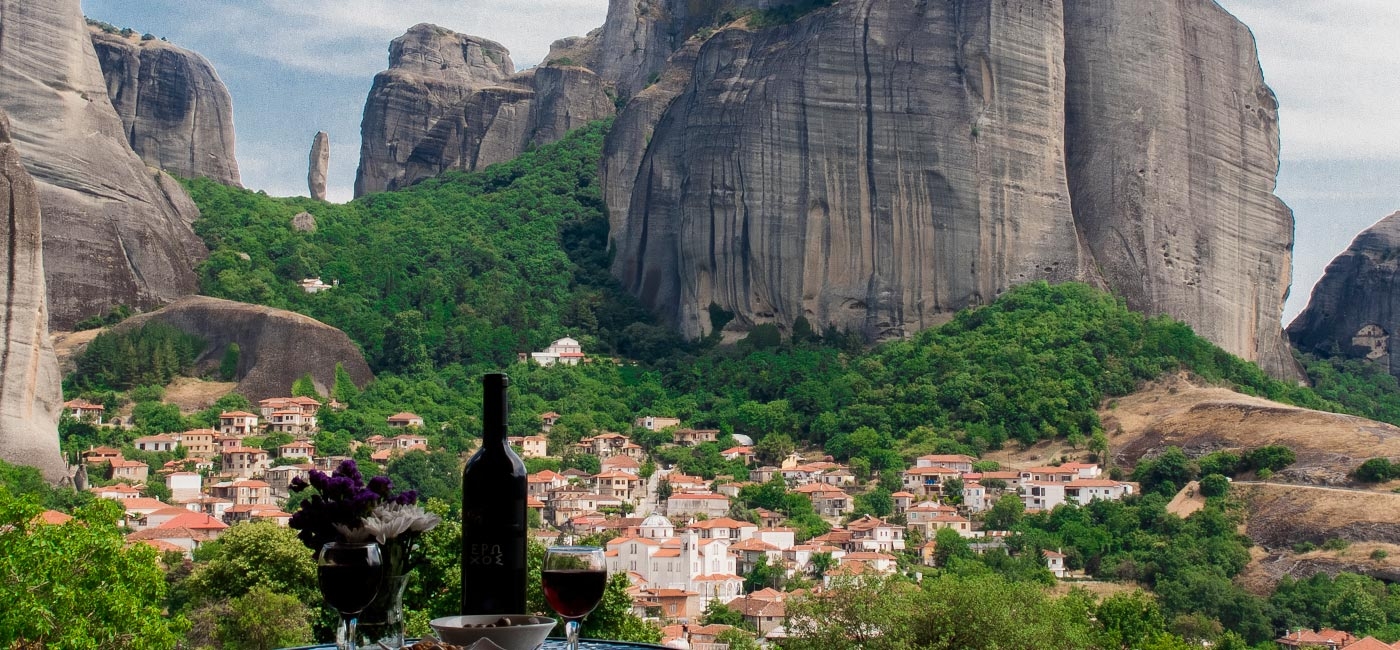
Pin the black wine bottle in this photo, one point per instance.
(493, 515)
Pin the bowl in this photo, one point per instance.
(522, 632)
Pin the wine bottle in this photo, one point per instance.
(493, 514)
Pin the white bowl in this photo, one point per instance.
(523, 633)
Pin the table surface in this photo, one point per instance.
(549, 644)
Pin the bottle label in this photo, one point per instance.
(485, 555)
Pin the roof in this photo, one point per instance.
(867, 522)
(243, 450)
(1093, 482)
(404, 417)
(752, 544)
(1049, 470)
(1052, 554)
(156, 438)
(53, 517)
(106, 451)
(930, 470)
(1369, 643)
(142, 503)
(161, 545)
(948, 458)
(121, 462)
(83, 404)
(721, 522)
(1325, 636)
(549, 416)
(195, 521)
(236, 414)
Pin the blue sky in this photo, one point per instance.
(296, 67)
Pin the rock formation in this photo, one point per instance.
(1354, 309)
(304, 222)
(276, 347)
(177, 114)
(1173, 152)
(320, 161)
(450, 101)
(115, 231)
(876, 165)
(30, 397)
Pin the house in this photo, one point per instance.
(565, 505)
(621, 464)
(119, 492)
(742, 453)
(874, 534)
(656, 423)
(750, 551)
(101, 455)
(902, 501)
(608, 444)
(1085, 470)
(618, 484)
(769, 518)
(692, 437)
(763, 612)
(540, 484)
(84, 410)
(1084, 490)
(244, 492)
(1369, 643)
(683, 483)
(291, 421)
(960, 462)
(280, 478)
(405, 419)
(297, 449)
(246, 462)
(1042, 495)
(160, 442)
(671, 604)
(827, 500)
(305, 405)
(547, 420)
(1050, 474)
(974, 496)
(565, 351)
(315, 285)
(198, 442)
(724, 528)
(839, 477)
(248, 512)
(1055, 561)
(1324, 638)
(697, 503)
(683, 562)
(928, 480)
(184, 486)
(129, 470)
(227, 441)
(763, 474)
(882, 563)
(799, 556)
(238, 423)
(531, 446)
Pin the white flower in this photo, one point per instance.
(390, 520)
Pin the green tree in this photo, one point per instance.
(763, 575)
(1215, 485)
(261, 619)
(404, 349)
(822, 562)
(773, 448)
(1374, 470)
(717, 613)
(228, 366)
(78, 585)
(305, 386)
(948, 545)
(252, 554)
(434, 474)
(1128, 620)
(861, 612)
(344, 388)
(1005, 512)
(737, 639)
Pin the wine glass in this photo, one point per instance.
(349, 576)
(574, 578)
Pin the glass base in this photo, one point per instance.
(381, 625)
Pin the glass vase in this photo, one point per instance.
(381, 625)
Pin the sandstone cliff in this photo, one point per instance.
(276, 347)
(1354, 309)
(466, 114)
(876, 165)
(30, 397)
(177, 114)
(115, 231)
(320, 160)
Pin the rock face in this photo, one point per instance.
(1173, 151)
(30, 397)
(115, 231)
(320, 161)
(450, 101)
(1354, 309)
(276, 347)
(876, 165)
(177, 114)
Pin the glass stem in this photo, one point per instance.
(350, 632)
(571, 631)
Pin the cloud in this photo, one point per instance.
(350, 38)
(1333, 66)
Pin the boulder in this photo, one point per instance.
(30, 395)
(177, 113)
(466, 117)
(116, 232)
(319, 163)
(1354, 309)
(304, 222)
(276, 347)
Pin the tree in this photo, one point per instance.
(820, 563)
(1215, 485)
(404, 350)
(261, 619)
(737, 639)
(344, 388)
(878, 502)
(717, 613)
(1129, 619)
(305, 386)
(78, 585)
(1005, 513)
(228, 366)
(1374, 470)
(434, 474)
(252, 554)
(762, 575)
(1098, 444)
(948, 544)
(856, 612)
(773, 448)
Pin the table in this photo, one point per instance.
(549, 644)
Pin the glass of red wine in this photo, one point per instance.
(349, 576)
(574, 578)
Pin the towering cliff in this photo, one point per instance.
(1354, 309)
(176, 112)
(876, 165)
(30, 397)
(1173, 151)
(466, 110)
(115, 232)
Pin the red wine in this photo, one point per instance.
(348, 588)
(574, 592)
(493, 515)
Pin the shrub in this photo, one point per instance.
(1304, 547)
(1271, 457)
(1379, 554)
(1375, 470)
(1336, 544)
(1215, 485)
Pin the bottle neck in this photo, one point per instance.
(495, 409)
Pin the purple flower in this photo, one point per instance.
(381, 485)
(342, 500)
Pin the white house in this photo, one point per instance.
(564, 351)
(184, 486)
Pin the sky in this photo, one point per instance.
(295, 67)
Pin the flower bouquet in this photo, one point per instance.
(346, 509)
